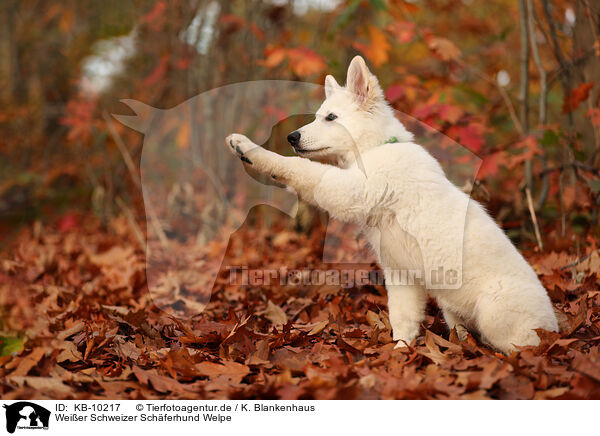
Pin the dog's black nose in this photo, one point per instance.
(294, 138)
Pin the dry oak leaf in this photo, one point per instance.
(554, 261)
(69, 352)
(374, 320)
(42, 384)
(28, 362)
(232, 371)
(70, 331)
(318, 328)
(114, 255)
(588, 364)
(443, 48)
(592, 263)
(275, 314)
(159, 382)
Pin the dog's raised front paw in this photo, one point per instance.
(240, 145)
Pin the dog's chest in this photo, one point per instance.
(395, 248)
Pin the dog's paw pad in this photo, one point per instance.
(240, 145)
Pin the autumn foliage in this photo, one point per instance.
(94, 332)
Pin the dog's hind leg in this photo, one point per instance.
(453, 321)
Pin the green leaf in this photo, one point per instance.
(10, 345)
(504, 34)
(550, 138)
(579, 155)
(378, 4)
(345, 16)
(466, 94)
(594, 185)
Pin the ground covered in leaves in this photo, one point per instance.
(78, 321)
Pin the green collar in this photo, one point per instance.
(391, 140)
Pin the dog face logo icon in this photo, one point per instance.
(26, 415)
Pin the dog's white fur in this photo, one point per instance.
(414, 217)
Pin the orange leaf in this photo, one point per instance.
(443, 48)
(377, 48)
(274, 57)
(450, 113)
(576, 96)
(529, 147)
(305, 62)
(183, 136)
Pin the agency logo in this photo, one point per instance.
(26, 416)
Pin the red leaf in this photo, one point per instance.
(470, 135)
(489, 166)
(594, 115)
(276, 112)
(155, 13)
(67, 222)
(576, 96)
(157, 73)
(394, 92)
(183, 63)
(234, 22)
(404, 31)
(80, 119)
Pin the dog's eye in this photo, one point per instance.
(330, 117)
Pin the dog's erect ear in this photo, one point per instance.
(330, 85)
(362, 83)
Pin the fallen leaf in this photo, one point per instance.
(275, 314)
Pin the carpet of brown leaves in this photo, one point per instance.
(77, 294)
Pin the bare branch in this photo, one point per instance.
(536, 228)
(543, 98)
(524, 84)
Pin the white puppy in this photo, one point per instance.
(414, 218)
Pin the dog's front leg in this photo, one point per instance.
(406, 305)
(252, 154)
(298, 173)
(341, 192)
